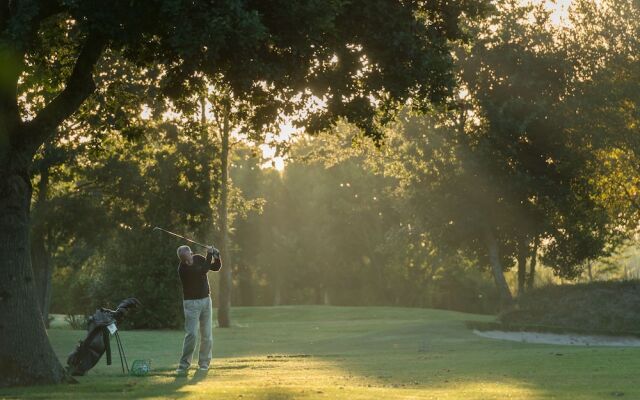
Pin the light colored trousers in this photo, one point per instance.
(197, 313)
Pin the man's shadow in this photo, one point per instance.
(197, 377)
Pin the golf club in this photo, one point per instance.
(180, 236)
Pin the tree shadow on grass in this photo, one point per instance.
(157, 385)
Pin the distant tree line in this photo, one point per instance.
(532, 164)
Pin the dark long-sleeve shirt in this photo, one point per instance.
(195, 284)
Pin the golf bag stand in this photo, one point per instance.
(123, 356)
(101, 325)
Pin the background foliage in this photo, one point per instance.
(531, 162)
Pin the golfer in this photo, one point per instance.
(197, 304)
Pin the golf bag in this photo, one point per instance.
(99, 328)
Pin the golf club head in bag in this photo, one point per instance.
(125, 305)
(89, 351)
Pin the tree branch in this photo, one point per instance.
(79, 86)
(19, 24)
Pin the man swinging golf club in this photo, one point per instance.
(196, 304)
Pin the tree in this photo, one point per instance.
(396, 51)
(231, 114)
(335, 229)
(42, 230)
(502, 176)
(56, 165)
(250, 182)
(516, 76)
(604, 45)
(224, 291)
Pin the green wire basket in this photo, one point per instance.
(140, 367)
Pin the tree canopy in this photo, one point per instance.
(277, 54)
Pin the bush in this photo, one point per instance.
(135, 268)
(70, 294)
(77, 322)
(465, 290)
(599, 307)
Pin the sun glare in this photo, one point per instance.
(559, 9)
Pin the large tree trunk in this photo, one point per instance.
(224, 290)
(506, 299)
(523, 252)
(531, 279)
(26, 356)
(40, 257)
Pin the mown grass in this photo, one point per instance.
(353, 353)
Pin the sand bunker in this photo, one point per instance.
(562, 339)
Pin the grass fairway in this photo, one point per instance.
(353, 353)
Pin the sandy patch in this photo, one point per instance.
(562, 339)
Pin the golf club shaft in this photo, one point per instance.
(180, 236)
